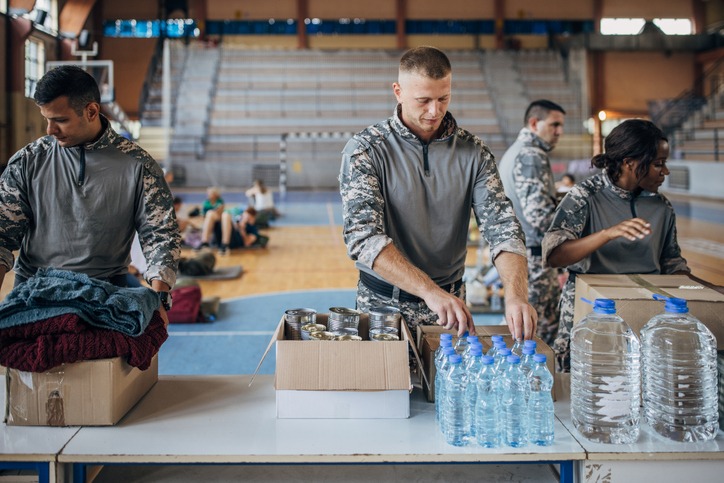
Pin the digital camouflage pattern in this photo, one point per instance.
(158, 234)
(528, 180)
(573, 220)
(372, 183)
(414, 313)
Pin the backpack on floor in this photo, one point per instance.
(186, 307)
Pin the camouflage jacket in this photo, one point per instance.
(596, 204)
(528, 180)
(78, 209)
(395, 189)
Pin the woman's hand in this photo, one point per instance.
(633, 229)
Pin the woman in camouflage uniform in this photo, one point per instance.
(615, 222)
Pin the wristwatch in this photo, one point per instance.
(166, 300)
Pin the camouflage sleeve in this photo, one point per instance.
(15, 214)
(671, 260)
(362, 205)
(531, 188)
(494, 211)
(157, 227)
(569, 221)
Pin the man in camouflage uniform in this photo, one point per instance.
(74, 199)
(408, 185)
(528, 180)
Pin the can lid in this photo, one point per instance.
(343, 311)
(384, 310)
(300, 311)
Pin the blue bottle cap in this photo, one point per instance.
(513, 359)
(465, 334)
(499, 344)
(540, 358)
(476, 350)
(455, 359)
(473, 338)
(604, 306)
(496, 337)
(487, 359)
(676, 306)
(446, 335)
(529, 350)
(530, 343)
(504, 352)
(446, 342)
(448, 351)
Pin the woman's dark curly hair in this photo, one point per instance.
(635, 138)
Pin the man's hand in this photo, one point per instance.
(451, 311)
(521, 317)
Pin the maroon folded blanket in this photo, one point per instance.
(42, 345)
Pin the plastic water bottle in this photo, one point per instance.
(497, 345)
(472, 370)
(540, 403)
(679, 360)
(462, 343)
(440, 381)
(472, 342)
(445, 341)
(526, 360)
(486, 422)
(515, 409)
(605, 376)
(501, 358)
(517, 348)
(454, 413)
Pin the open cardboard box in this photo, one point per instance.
(634, 303)
(428, 340)
(342, 379)
(87, 393)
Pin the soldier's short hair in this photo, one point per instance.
(427, 61)
(540, 109)
(68, 80)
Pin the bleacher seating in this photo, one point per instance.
(701, 137)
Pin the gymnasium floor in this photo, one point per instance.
(306, 265)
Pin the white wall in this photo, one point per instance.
(706, 178)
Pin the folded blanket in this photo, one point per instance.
(42, 345)
(52, 292)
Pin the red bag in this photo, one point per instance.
(186, 307)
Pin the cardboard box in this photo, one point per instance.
(634, 303)
(428, 340)
(342, 379)
(88, 393)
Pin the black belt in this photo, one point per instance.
(535, 251)
(386, 290)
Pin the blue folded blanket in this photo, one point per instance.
(52, 292)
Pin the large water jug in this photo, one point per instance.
(605, 376)
(679, 361)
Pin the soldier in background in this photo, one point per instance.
(74, 199)
(408, 185)
(528, 180)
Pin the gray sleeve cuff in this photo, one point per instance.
(165, 274)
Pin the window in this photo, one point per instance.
(34, 64)
(633, 26)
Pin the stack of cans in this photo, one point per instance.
(720, 365)
(294, 319)
(342, 318)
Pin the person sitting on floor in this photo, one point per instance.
(249, 231)
(263, 201)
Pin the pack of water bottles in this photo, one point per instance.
(493, 398)
(671, 369)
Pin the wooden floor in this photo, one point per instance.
(314, 257)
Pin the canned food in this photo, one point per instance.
(385, 337)
(341, 317)
(345, 331)
(383, 330)
(384, 316)
(348, 337)
(321, 335)
(309, 329)
(294, 319)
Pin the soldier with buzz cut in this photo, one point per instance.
(74, 199)
(528, 181)
(408, 185)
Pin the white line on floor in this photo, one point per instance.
(223, 332)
